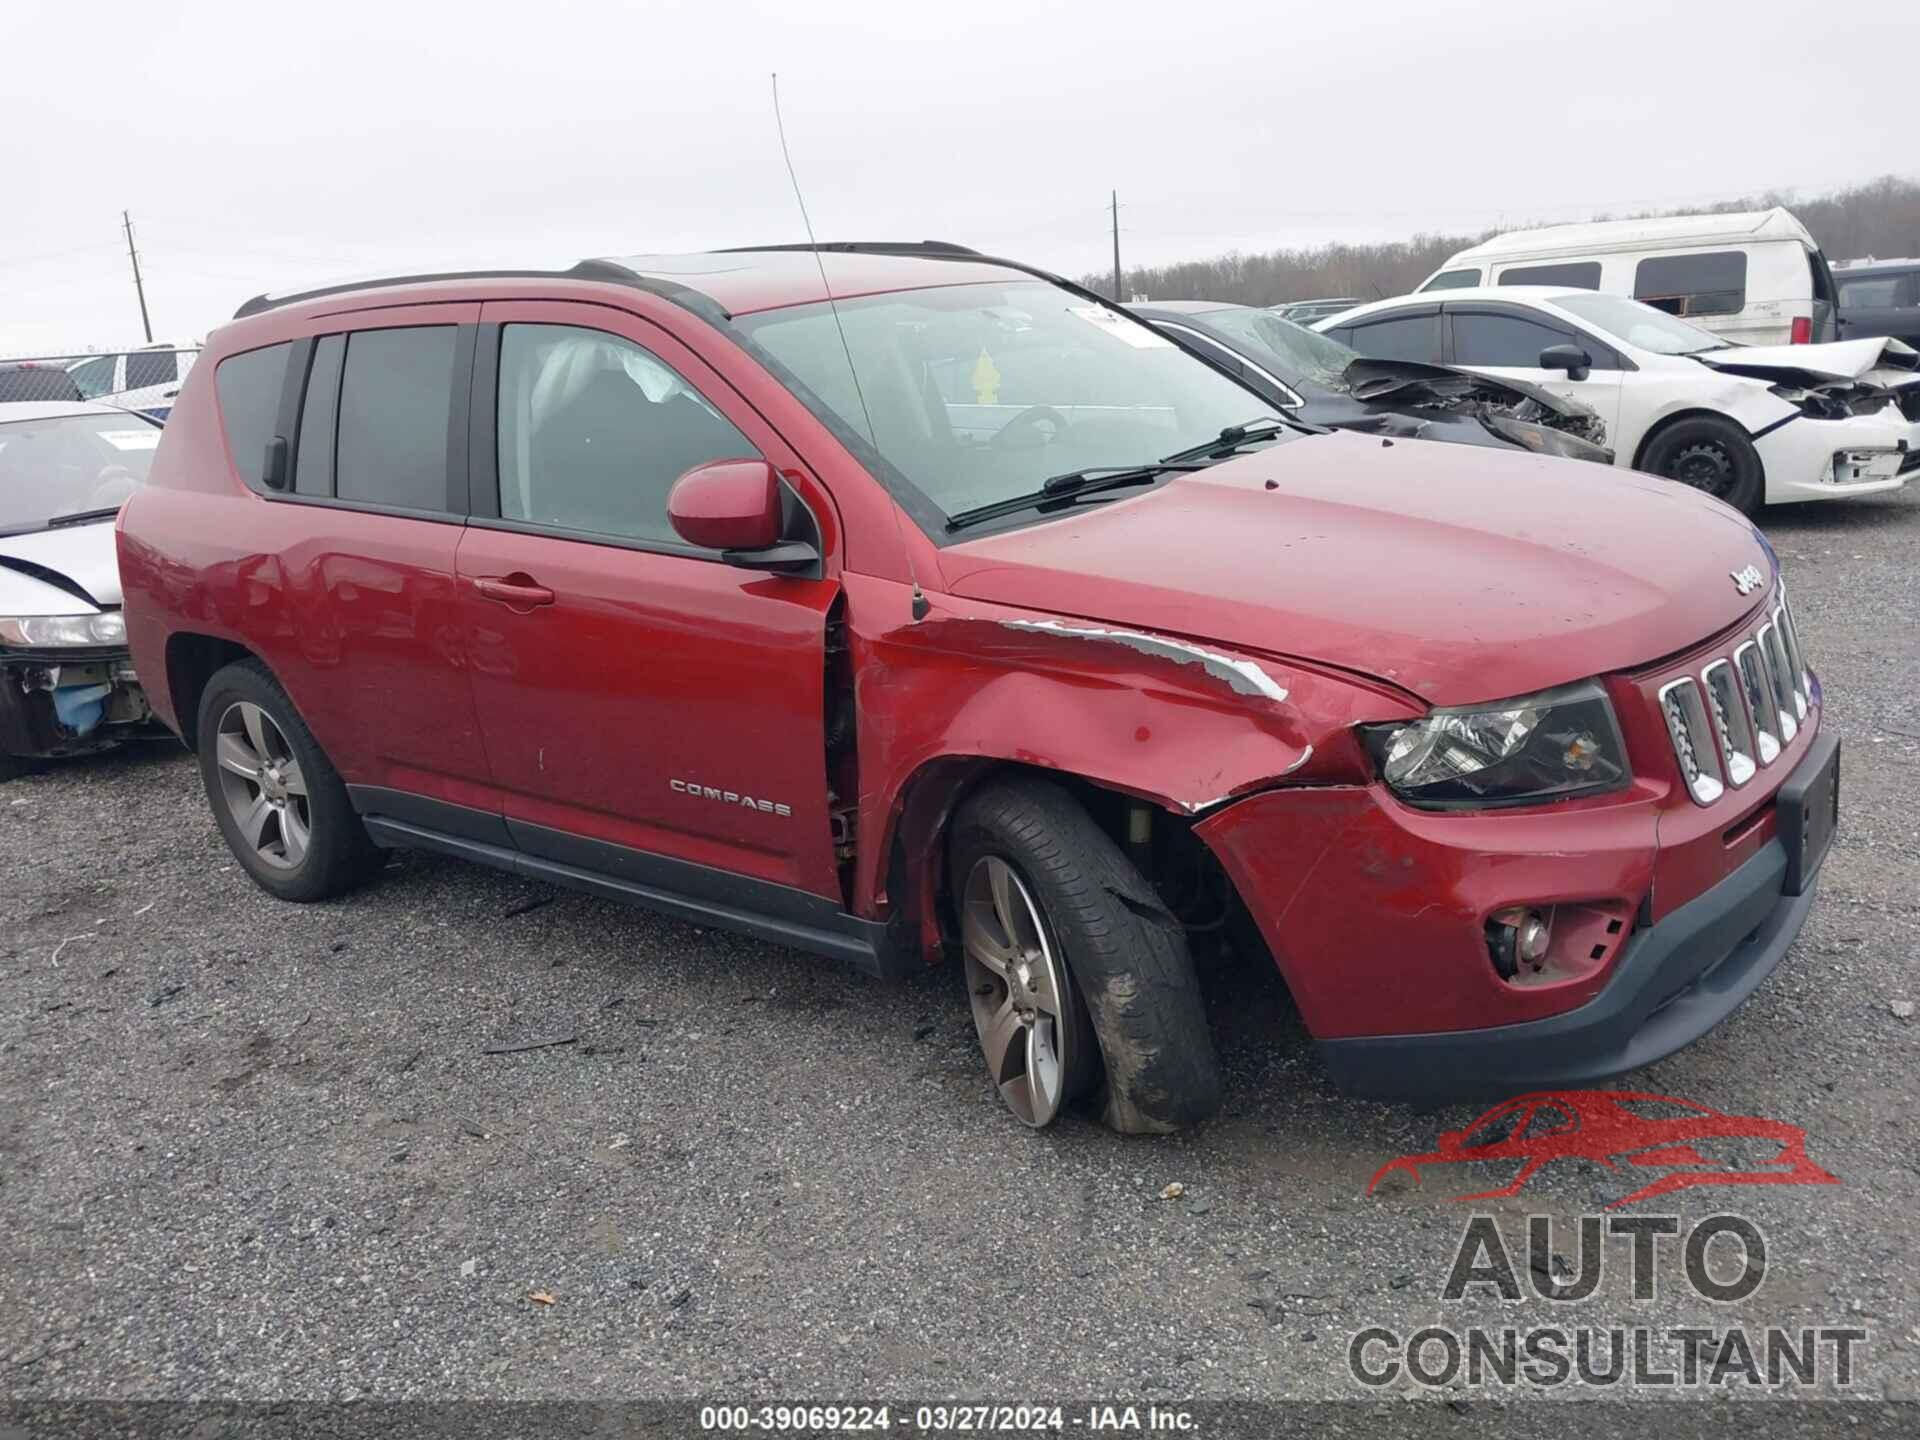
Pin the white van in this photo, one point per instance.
(1755, 277)
(145, 380)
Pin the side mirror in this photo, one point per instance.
(737, 508)
(1570, 358)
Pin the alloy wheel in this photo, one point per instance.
(1021, 995)
(262, 784)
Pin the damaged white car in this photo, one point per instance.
(1750, 425)
(66, 684)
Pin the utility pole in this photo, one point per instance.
(147, 325)
(1118, 298)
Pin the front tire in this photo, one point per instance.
(279, 802)
(1078, 975)
(1711, 455)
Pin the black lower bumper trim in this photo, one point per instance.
(1674, 982)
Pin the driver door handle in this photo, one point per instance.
(518, 591)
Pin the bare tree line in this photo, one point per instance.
(1881, 217)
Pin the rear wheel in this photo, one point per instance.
(1078, 977)
(279, 802)
(1712, 455)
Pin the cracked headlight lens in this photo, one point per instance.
(1524, 751)
(1545, 440)
(49, 631)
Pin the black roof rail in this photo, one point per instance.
(585, 270)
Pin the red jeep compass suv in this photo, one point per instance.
(890, 601)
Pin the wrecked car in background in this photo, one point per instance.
(1679, 401)
(1317, 379)
(951, 612)
(67, 686)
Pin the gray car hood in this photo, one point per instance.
(70, 571)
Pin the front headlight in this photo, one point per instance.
(1525, 751)
(1545, 440)
(44, 631)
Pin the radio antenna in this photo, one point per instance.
(920, 605)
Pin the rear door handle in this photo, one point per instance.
(516, 591)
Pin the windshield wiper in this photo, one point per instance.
(82, 517)
(1232, 438)
(1060, 490)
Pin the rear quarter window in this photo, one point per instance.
(248, 387)
(1578, 275)
(1703, 282)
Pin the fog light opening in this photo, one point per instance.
(1518, 937)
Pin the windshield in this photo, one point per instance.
(1638, 325)
(978, 393)
(70, 464)
(1283, 347)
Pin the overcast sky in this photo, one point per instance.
(261, 146)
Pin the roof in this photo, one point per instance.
(1602, 235)
(738, 281)
(16, 410)
(1523, 294)
(1852, 268)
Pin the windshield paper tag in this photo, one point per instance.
(131, 439)
(1129, 332)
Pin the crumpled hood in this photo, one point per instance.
(70, 571)
(1877, 360)
(1457, 573)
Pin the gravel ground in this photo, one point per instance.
(250, 1149)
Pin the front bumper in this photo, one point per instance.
(1813, 459)
(54, 704)
(1675, 981)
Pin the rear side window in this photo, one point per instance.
(1452, 280)
(94, 377)
(248, 387)
(1877, 292)
(594, 431)
(1406, 337)
(1501, 340)
(1706, 282)
(151, 367)
(396, 396)
(1580, 275)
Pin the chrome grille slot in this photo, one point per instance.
(1694, 745)
(1773, 659)
(1730, 722)
(1790, 640)
(1759, 692)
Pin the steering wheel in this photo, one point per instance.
(1022, 425)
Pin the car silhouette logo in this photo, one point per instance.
(1616, 1129)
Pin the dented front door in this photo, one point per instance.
(636, 694)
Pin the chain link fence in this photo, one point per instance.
(146, 379)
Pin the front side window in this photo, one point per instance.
(95, 376)
(1501, 340)
(1454, 280)
(396, 395)
(594, 430)
(72, 465)
(1581, 274)
(1405, 337)
(1287, 349)
(1700, 283)
(973, 394)
(1639, 325)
